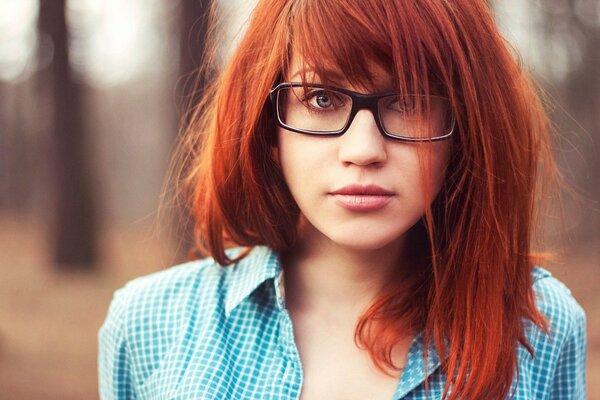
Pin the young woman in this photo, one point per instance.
(376, 163)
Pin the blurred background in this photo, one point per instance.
(92, 95)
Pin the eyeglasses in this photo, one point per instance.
(326, 111)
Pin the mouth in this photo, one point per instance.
(363, 190)
(362, 197)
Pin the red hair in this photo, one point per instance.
(471, 288)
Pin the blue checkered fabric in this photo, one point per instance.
(200, 331)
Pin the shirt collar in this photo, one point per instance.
(260, 265)
(413, 373)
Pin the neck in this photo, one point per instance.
(325, 277)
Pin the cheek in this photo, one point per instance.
(294, 162)
(420, 171)
(287, 156)
(299, 157)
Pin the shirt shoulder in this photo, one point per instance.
(556, 302)
(202, 285)
(158, 319)
(169, 289)
(150, 313)
(167, 298)
(557, 368)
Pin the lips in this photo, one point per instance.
(362, 197)
(363, 190)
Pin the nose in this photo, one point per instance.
(362, 144)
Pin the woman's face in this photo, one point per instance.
(360, 190)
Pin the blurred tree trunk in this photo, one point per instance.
(74, 230)
(15, 166)
(194, 19)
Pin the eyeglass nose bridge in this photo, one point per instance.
(365, 102)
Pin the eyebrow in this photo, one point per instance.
(337, 79)
(337, 76)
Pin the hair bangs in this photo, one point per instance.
(349, 44)
(337, 46)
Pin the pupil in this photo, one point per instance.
(323, 101)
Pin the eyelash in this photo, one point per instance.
(311, 95)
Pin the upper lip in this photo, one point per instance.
(364, 190)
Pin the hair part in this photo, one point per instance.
(471, 288)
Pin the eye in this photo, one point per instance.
(323, 100)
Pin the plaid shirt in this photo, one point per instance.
(199, 331)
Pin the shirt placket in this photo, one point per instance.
(292, 373)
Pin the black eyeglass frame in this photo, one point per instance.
(360, 101)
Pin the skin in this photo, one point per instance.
(343, 258)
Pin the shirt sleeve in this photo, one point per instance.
(570, 379)
(114, 373)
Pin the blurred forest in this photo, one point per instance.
(92, 97)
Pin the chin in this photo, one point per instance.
(363, 241)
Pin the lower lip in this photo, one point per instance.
(362, 202)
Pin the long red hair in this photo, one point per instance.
(472, 289)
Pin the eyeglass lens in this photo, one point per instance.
(319, 110)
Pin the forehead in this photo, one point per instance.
(377, 79)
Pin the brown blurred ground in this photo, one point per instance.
(49, 321)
